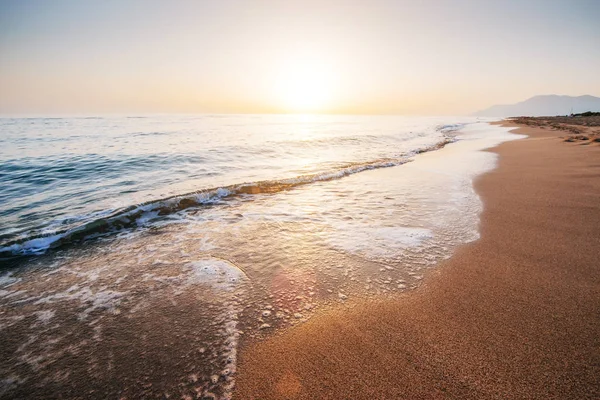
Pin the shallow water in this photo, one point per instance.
(160, 310)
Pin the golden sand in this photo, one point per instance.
(515, 314)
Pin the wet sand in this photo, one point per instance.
(515, 314)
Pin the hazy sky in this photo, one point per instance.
(404, 57)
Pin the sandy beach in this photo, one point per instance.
(514, 315)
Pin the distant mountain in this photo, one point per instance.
(544, 106)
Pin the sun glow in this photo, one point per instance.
(305, 86)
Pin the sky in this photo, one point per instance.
(365, 57)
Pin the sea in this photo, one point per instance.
(139, 254)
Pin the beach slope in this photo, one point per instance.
(515, 314)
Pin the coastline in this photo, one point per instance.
(201, 289)
(515, 314)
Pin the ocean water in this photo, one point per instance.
(62, 175)
(140, 253)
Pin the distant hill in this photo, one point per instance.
(548, 105)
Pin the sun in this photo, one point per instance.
(305, 86)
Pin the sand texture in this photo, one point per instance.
(514, 315)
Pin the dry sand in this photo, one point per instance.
(515, 315)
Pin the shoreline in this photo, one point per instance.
(515, 314)
(145, 308)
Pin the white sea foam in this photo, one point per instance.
(361, 238)
(92, 300)
(219, 274)
(7, 279)
(32, 246)
(44, 316)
